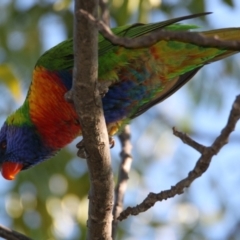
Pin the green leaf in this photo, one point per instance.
(61, 5)
(197, 6)
(8, 78)
(229, 2)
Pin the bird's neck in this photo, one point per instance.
(20, 116)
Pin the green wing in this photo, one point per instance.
(60, 57)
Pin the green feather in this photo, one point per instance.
(61, 57)
(21, 116)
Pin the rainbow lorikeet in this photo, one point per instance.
(138, 79)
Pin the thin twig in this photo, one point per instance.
(186, 139)
(124, 137)
(124, 170)
(104, 11)
(9, 234)
(150, 39)
(200, 167)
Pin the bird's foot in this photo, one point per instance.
(103, 88)
(111, 142)
(81, 150)
(69, 96)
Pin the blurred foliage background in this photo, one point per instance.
(50, 200)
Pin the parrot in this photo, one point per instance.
(137, 80)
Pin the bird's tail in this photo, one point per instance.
(226, 34)
(184, 60)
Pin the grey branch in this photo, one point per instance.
(124, 170)
(104, 11)
(9, 234)
(150, 39)
(186, 139)
(88, 104)
(200, 167)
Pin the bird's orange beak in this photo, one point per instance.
(10, 169)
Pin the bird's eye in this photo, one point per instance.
(3, 145)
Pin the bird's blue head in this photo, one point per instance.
(21, 147)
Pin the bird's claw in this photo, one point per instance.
(111, 142)
(68, 96)
(81, 150)
(103, 88)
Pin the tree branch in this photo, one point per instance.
(200, 167)
(88, 104)
(150, 39)
(124, 170)
(9, 234)
(125, 154)
(104, 11)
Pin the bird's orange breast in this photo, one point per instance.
(55, 119)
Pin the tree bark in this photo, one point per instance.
(88, 104)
